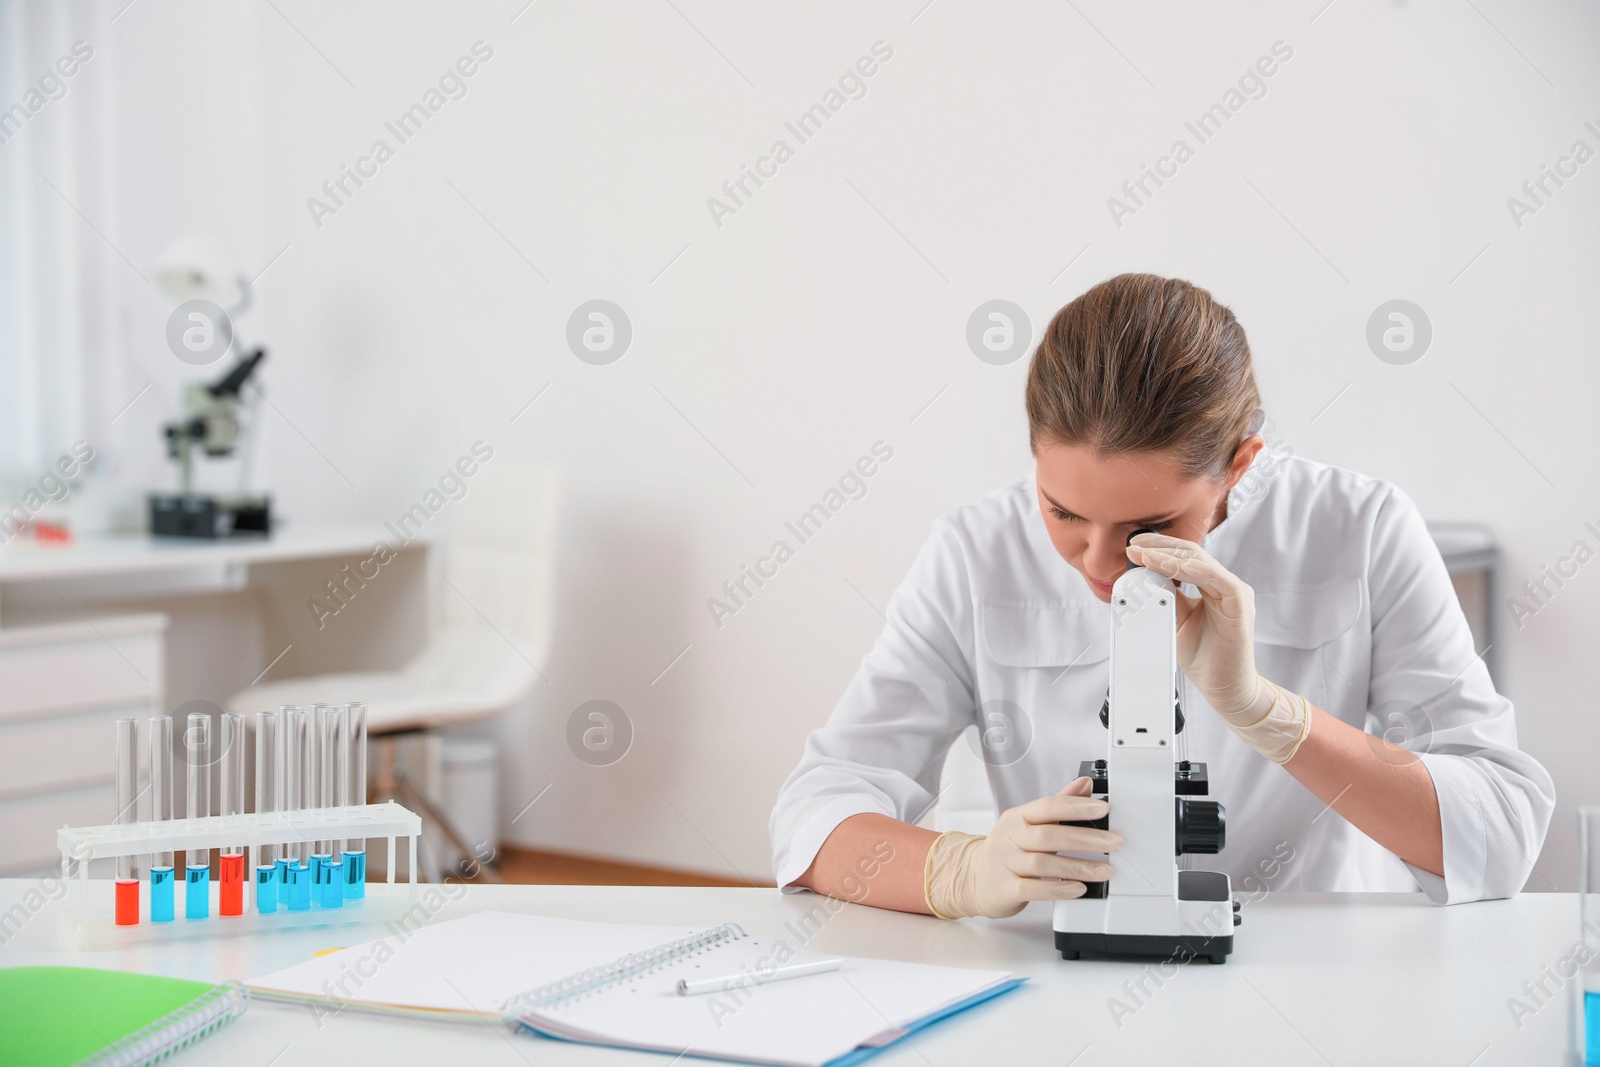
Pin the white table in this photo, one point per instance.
(1314, 979)
(106, 555)
(286, 570)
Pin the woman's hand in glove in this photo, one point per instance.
(1216, 647)
(997, 875)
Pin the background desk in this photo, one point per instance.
(55, 582)
(133, 625)
(1315, 979)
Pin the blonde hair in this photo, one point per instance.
(1141, 363)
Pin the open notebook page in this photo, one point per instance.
(473, 964)
(799, 1021)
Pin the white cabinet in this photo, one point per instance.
(61, 686)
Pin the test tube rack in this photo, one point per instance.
(85, 922)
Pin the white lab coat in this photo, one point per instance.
(1354, 611)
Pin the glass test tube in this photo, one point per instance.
(127, 908)
(230, 863)
(332, 772)
(297, 852)
(310, 801)
(197, 866)
(161, 877)
(355, 848)
(269, 787)
(284, 857)
(1585, 999)
(311, 797)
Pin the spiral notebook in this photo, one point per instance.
(616, 984)
(79, 1015)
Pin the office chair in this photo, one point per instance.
(483, 658)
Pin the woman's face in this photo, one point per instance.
(1091, 503)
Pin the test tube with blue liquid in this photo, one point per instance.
(1585, 1028)
(161, 872)
(355, 849)
(127, 771)
(312, 796)
(297, 751)
(333, 772)
(288, 799)
(197, 869)
(269, 790)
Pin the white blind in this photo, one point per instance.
(54, 217)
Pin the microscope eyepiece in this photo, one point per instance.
(1129, 541)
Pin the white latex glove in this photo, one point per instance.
(997, 875)
(1216, 647)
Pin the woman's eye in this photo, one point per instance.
(1067, 516)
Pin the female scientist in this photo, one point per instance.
(1329, 677)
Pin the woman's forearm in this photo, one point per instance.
(874, 860)
(1385, 791)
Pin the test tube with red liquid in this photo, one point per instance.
(127, 812)
(230, 864)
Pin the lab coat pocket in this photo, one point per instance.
(1022, 634)
(1041, 680)
(1301, 638)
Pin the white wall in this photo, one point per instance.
(825, 314)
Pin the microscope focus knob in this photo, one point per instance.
(1202, 827)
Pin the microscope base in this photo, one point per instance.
(1089, 926)
(208, 516)
(1180, 948)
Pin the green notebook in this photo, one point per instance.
(53, 1016)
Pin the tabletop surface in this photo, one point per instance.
(93, 554)
(1315, 978)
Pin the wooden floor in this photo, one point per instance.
(532, 867)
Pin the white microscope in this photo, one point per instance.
(1149, 908)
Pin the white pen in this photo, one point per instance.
(731, 981)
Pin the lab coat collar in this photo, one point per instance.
(1244, 502)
